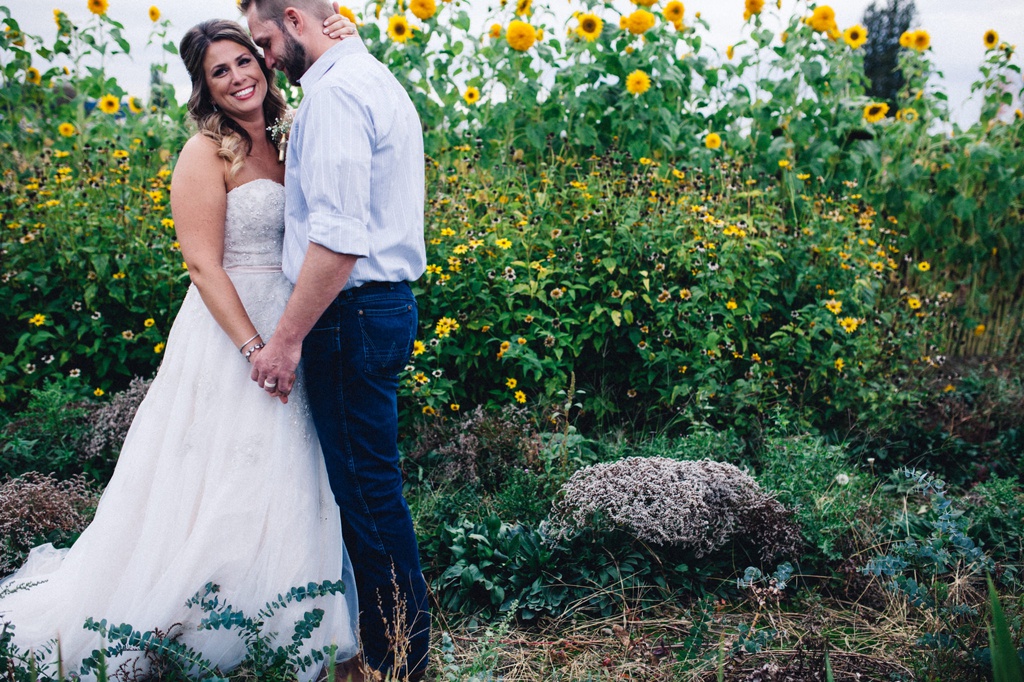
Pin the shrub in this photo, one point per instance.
(110, 424)
(478, 448)
(699, 506)
(964, 426)
(38, 508)
(48, 434)
(996, 519)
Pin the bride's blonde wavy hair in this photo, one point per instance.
(235, 143)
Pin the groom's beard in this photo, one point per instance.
(293, 62)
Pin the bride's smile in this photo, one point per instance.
(236, 82)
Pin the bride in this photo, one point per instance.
(216, 482)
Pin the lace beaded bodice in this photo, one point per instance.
(254, 225)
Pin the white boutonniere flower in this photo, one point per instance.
(279, 133)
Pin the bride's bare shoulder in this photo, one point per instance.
(198, 160)
(199, 147)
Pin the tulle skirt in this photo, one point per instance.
(216, 483)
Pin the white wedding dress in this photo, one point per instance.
(217, 482)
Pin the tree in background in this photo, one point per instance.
(881, 52)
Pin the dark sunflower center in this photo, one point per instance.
(589, 25)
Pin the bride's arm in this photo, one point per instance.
(199, 206)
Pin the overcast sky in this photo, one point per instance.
(956, 28)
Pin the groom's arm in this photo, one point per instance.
(322, 277)
(335, 181)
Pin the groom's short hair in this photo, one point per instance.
(273, 10)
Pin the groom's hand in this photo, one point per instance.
(273, 367)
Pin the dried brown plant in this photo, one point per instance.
(110, 422)
(37, 507)
(697, 505)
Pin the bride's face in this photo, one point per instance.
(235, 79)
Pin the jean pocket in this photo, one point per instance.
(388, 333)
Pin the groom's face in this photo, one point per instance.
(281, 49)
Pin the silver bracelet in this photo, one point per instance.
(254, 337)
(253, 349)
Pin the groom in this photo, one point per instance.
(353, 240)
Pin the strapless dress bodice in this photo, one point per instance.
(254, 225)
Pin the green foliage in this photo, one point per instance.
(86, 275)
(835, 501)
(1006, 662)
(965, 427)
(48, 434)
(997, 518)
(490, 567)
(700, 442)
(175, 660)
(656, 289)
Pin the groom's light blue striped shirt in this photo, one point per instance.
(354, 174)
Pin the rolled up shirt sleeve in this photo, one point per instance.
(335, 171)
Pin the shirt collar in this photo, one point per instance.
(328, 59)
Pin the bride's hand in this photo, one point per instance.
(339, 27)
(270, 389)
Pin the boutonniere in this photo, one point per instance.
(279, 133)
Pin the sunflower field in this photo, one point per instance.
(696, 255)
(606, 199)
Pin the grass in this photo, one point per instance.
(849, 638)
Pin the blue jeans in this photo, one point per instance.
(351, 361)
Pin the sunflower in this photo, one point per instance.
(33, 76)
(906, 39)
(855, 36)
(673, 11)
(921, 40)
(524, 8)
(638, 82)
(906, 115)
(752, 7)
(495, 31)
(109, 104)
(729, 51)
(875, 112)
(66, 129)
(520, 35)
(713, 141)
(154, 13)
(423, 9)
(590, 27)
(135, 105)
(639, 22)
(823, 19)
(98, 6)
(471, 95)
(991, 39)
(399, 29)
